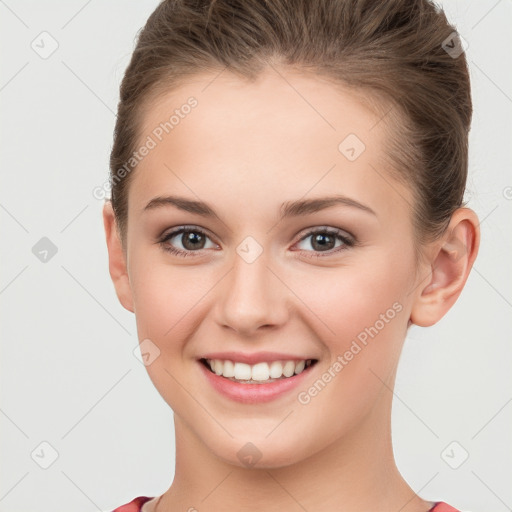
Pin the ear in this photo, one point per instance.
(450, 262)
(117, 259)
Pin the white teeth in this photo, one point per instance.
(276, 369)
(217, 367)
(228, 369)
(242, 371)
(289, 369)
(299, 367)
(259, 372)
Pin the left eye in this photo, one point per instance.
(323, 240)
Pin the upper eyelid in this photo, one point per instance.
(337, 231)
(181, 229)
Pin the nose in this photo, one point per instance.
(252, 298)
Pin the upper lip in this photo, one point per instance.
(257, 357)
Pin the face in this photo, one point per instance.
(259, 273)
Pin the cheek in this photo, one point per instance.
(352, 300)
(364, 321)
(166, 300)
(365, 318)
(162, 295)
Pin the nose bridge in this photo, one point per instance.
(252, 296)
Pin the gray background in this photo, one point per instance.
(69, 374)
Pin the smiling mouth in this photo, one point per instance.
(260, 373)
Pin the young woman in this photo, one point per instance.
(287, 199)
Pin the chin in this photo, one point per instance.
(259, 452)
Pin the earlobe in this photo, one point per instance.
(450, 265)
(116, 259)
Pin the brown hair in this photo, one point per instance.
(393, 52)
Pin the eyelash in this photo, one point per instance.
(347, 242)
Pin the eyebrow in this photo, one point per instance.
(288, 209)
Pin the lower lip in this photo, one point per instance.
(253, 393)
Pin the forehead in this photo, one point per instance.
(284, 134)
(275, 99)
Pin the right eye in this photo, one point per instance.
(191, 238)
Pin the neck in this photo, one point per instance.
(357, 471)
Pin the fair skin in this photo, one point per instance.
(246, 149)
